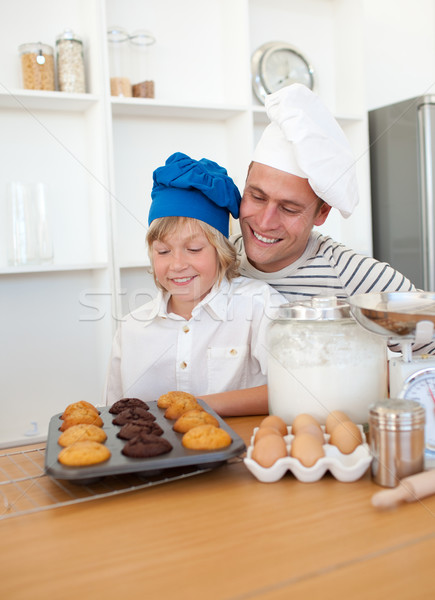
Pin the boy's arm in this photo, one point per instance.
(238, 403)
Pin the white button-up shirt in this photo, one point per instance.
(222, 347)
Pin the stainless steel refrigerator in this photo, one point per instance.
(402, 163)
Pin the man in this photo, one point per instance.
(303, 168)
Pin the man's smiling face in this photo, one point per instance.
(277, 214)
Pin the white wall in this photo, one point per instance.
(399, 50)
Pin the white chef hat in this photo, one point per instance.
(304, 139)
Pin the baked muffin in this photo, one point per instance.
(81, 415)
(167, 399)
(180, 406)
(134, 428)
(81, 404)
(80, 433)
(206, 437)
(124, 403)
(83, 454)
(146, 446)
(133, 414)
(193, 418)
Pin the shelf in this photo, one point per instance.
(137, 107)
(260, 115)
(135, 265)
(36, 100)
(29, 269)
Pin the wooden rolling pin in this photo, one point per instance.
(410, 489)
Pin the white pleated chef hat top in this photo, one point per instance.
(304, 139)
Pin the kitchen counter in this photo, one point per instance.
(224, 535)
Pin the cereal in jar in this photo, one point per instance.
(37, 66)
(70, 63)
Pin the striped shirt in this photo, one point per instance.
(329, 268)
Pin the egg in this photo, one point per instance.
(334, 418)
(275, 422)
(268, 450)
(314, 430)
(301, 420)
(346, 437)
(263, 431)
(307, 449)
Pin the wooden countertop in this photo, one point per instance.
(224, 535)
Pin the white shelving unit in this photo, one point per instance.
(96, 153)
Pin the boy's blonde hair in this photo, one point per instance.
(228, 263)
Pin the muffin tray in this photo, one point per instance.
(344, 467)
(118, 464)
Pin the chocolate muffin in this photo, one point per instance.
(146, 446)
(133, 414)
(134, 428)
(124, 403)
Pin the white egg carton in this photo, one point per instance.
(344, 467)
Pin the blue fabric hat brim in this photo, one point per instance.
(202, 190)
(176, 202)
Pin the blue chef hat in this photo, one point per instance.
(199, 189)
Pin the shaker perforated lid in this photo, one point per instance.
(397, 414)
(319, 308)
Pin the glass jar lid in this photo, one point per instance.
(117, 35)
(68, 34)
(319, 308)
(35, 48)
(142, 37)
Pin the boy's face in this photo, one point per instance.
(186, 265)
(277, 214)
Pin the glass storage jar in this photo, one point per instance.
(37, 66)
(119, 58)
(321, 359)
(28, 232)
(70, 63)
(141, 67)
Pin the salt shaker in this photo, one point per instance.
(396, 440)
(70, 63)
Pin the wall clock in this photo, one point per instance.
(275, 65)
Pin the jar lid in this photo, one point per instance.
(68, 34)
(116, 35)
(35, 48)
(319, 308)
(142, 37)
(397, 414)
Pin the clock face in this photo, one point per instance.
(275, 65)
(283, 67)
(421, 387)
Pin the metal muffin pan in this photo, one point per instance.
(344, 467)
(118, 464)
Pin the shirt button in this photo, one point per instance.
(183, 365)
(186, 329)
(233, 352)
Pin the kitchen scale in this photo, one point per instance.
(404, 318)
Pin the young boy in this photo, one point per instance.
(205, 332)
